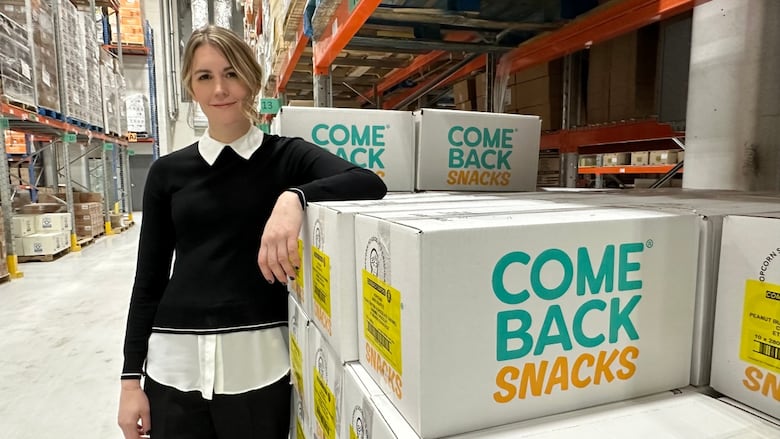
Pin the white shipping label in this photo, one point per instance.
(26, 70)
(45, 76)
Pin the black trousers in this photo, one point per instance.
(262, 413)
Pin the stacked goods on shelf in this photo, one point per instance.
(109, 85)
(3, 249)
(681, 414)
(137, 108)
(46, 65)
(379, 140)
(16, 62)
(746, 348)
(51, 233)
(461, 150)
(538, 91)
(15, 142)
(300, 368)
(549, 173)
(121, 92)
(89, 221)
(464, 94)
(131, 23)
(117, 221)
(94, 107)
(72, 60)
(548, 309)
(621, 77)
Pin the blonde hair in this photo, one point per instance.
(238, 54)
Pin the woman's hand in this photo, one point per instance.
(278, 256)
(133, 407)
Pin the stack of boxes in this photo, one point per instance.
(92, 96)
(539, 91)
(131, 23)
(16, 60)
(72, 56)
(46, 64)
(137, 107)
(3, 249)
(109, 85)
(42, 234)
(88, 219)
(469, 312)
(15, 142)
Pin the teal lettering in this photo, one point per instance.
(353, 157)
(499, 289)
(605, 278)
(378, 135)
(476, 141)
(554, 317)
(506, 138)
(315, 136)
(562, 258)
(344, 135)
(579, 335)
(492, 141)
(503, 160)
(622, 319)
(625, 267)
(341, 152)
(451, 136)
(374, 159)
(456, 158)
(503, 334)
(361, 139)
(472, 160)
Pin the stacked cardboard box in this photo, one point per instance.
(71, 54)
(92, 95)
(46, 63)
(109, 87)
(130, 22)
(51, 233)
(15, 142)
(539, 91)
(88, 219)
(16, 64)
(137, 109)
(3, 249)
(549, 173)
(464, 94)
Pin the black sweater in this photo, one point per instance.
(213, 218)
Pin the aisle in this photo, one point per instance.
(61, 330)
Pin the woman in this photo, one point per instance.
(209, 336)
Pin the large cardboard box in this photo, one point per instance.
(366, 412)
(746, 349)
(524, 315)
(676, 414)
(461, 150)
(327, 376)
(52, 222)
(616, 159)
(22, 225)
(664, 157)
(640, 158)
(300, 367)
(379, 140)
(42, 243)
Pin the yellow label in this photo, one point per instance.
(760, 344)
(352, 434)
(324, 407)
(382, 319)
(296, 358)
(299, 429)
(320, 279)
(298, 284)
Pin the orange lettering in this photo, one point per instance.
(531, 379)
(385, 370)
(603, 367)
(753, 378)
(323, 318)
(559, 375)
(501, 381)
(629, 366)
(771, 385)
(575, 376)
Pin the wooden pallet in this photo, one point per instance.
(85, 241)
(19, 105)
(45, 258)
(5, 278)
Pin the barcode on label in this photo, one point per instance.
(768, 350)
(378, 336)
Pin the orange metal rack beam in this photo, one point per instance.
(291, 60)
(571, 140)
(348, 23)
(24, 115)
(477, 64)
(603, 23)
(627, 169)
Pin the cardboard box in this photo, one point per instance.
(640, 158)
(677, 414)
(663, 157)
(599, 64)
(616, 159)
(366, 412)
(327, 376)
(680, 156)
(553, 68)
(462, 150)
(746, 349)
(547, 164)
(379, 140)
(298, 428)
(550, 115)
(587, 161)
(462, 92)
(22, 225)
(480, 84)
(52, 222)
(42, 243)
(300, 367)
(477, 330)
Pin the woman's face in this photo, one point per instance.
(217, 87)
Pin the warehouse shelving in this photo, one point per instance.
(627, 169)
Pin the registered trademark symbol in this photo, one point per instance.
(387, 126)
(649, 243)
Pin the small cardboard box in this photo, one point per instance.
(52, 222)
(663, 157)
(22, 225)
(640, 158)
(495, 312)
(43, 243)
(746, 346)
(616, 159)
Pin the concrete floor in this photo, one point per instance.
(61, 332)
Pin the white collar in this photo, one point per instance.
(244, 146)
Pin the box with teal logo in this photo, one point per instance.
(473, 151)
(379, 140)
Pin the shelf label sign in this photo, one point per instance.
(264, 127)
(108, 146)
(130, 152)
(353, 4)
(269, 106)
(4, 123)
(69, 138)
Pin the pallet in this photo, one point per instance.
(51, 114)
(45, 258)
(5, 278)
(99, 235)
(20, 105)
(85, 241)
(77, 122)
